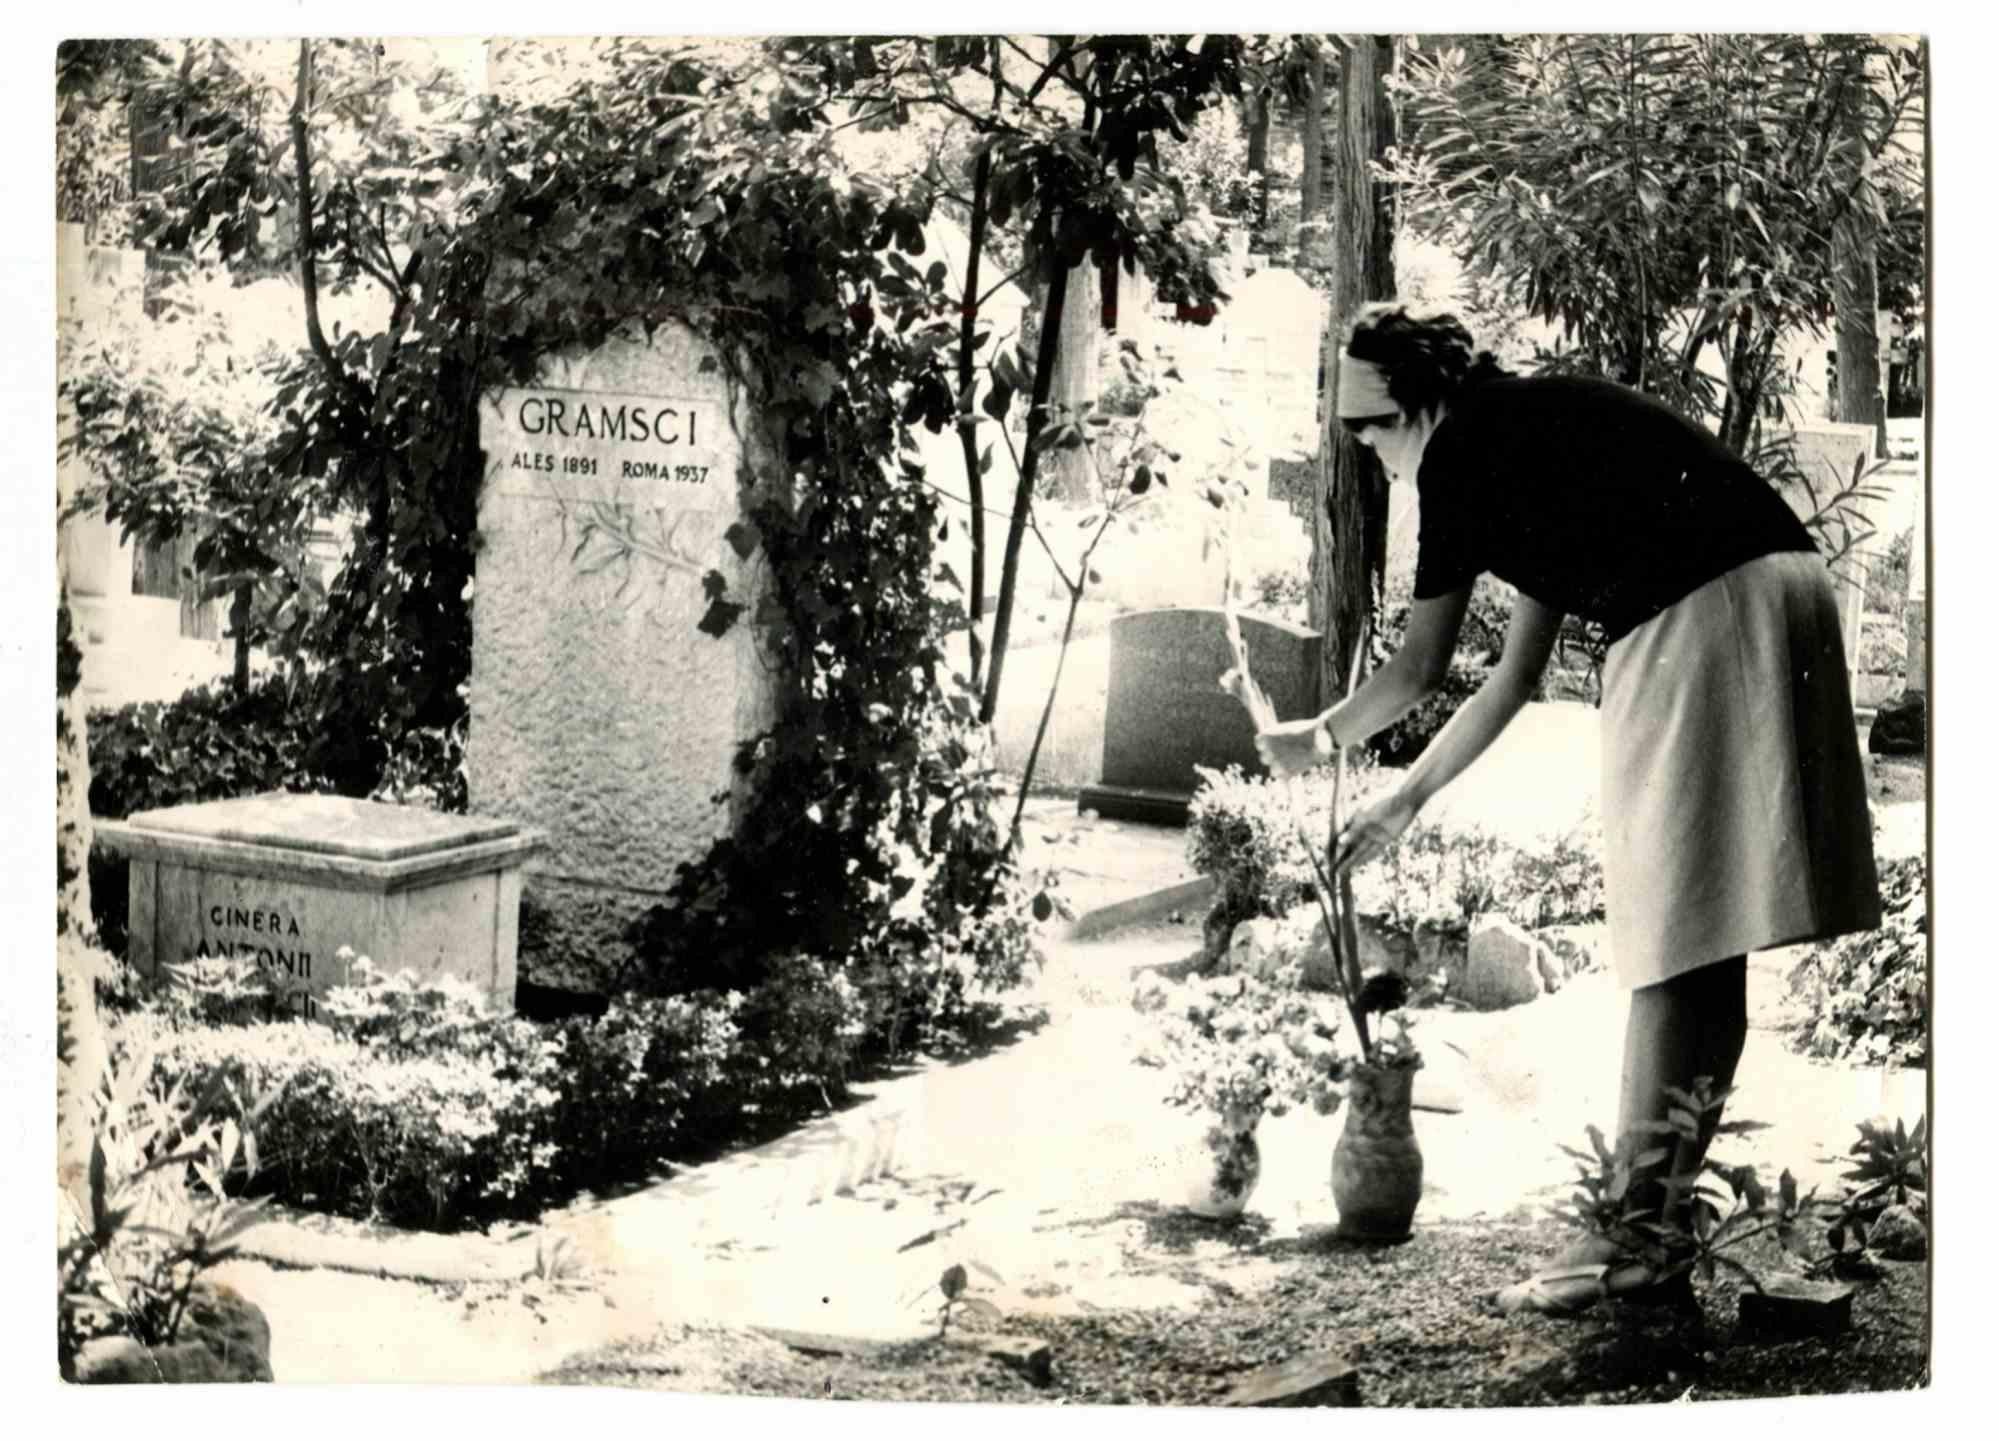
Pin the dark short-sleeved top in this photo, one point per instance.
(1590, 497)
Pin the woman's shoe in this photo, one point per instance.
(1573, 1290)
(1565, 1291)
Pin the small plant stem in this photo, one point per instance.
(974, 481)
(1076, 589)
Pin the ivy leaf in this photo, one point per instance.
(742, 539)
(998, 397)
(714, 585)
(1043, 906)
(721, 615)
(1141, 480)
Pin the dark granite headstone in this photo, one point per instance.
(1167, 713)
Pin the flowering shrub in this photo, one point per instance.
(1240, 1048)
(414, 1105)
(1244, 831)
(1869, 994)
(1445, 879)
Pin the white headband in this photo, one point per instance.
(1363, 390)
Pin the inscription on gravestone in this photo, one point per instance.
(602, 443)
(268, 936)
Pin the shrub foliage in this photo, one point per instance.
(1869, 994)
(1244, 831)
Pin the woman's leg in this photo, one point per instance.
(1677, 1030)
(1690, 1026)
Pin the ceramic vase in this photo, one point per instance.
(1226, 1164)
(1377, 1166)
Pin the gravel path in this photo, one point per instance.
(1414, 1320)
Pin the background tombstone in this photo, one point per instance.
(1269, 361)
(1167, 713)
(600, 711)
(1827, 454)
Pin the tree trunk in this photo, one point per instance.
(1256, 124)
(1350, 519)
(1856, 293)
(1023, 495)
(80, 1051)
(1074, 388)
(239, 628)
(1311, 187)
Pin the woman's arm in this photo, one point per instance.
(1412, 675)
(1529, 639)
(1409, 678)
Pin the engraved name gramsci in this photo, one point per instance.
(551, 418)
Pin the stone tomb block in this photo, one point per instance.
(599, 705)
(290, 879)
(1166, 712)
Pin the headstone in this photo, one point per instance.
(290, 879)
(598, 705)
(1827, 455)
(1275, 325)
(1166, 712)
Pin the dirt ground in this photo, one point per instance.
(1415, 1320)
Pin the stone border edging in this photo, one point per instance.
(1148, 907)
(330, 1243)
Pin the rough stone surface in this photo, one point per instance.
(599, 711)
(1438, 950)
(1258, 947)
(1789, 1307)
(287, 880)
(1577, 949)
(1898, 1235)
(1029, 1355)
(1166, 711)
(222, 1338)
(1324, 1380)
(1503, 965)
(1899, 727)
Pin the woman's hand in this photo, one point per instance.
(1291, 748)
(1373, 830)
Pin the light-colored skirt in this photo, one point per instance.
(1734, 803)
